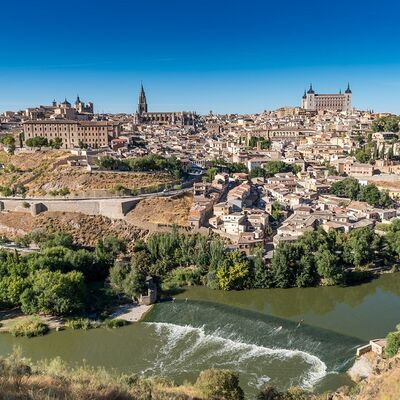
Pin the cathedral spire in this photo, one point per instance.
(348, 90)
(142, 105)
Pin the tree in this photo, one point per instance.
(108, 249)
(9, 142)
(127, 280)
(361, 246)
(261, 275)
(56, 143)
(369, 193)
(37, 141)
(392, 237)
(392, 344)
(275, 167)
(219, 384)
(217, 253)
(57, 239)
(390, 153)
(54, 293)
(276, 212)
(233, 271)
(283, 266)
(257, 172)
(210, 174)
(307, 275)
(389, 123)
(382, 152)
(328, 266)
(348, 187)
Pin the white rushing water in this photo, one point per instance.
(185, 347)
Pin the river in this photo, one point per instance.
(255, 332)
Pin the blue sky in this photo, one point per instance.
(225, 56)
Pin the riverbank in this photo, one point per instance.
(126, 312)
(179, 339)
(131, 312)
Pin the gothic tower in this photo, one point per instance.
(142, 105)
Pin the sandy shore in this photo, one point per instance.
(131, 312)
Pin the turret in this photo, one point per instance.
(309, 102)
(348, 95)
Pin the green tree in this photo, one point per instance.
(284, 265)
(389, 123)
(210, 174)
(56, 143)
(392, 344)
(262, 276)
(108, 249)
(390, 154)
(361, 246)
(233, 271)
(307, 275)
(329, 266)
(9, 142)
(54, 293)
(37, 141)
(127, 280)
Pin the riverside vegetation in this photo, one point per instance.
(48, 380)
(67, 280)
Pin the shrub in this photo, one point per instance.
(29, 327)
(4, 239)
(268, 393)
(25, 204)
(220, 383)
(115, 323)
(121, 190)
(81, 323)
(6, 191)
(393, 344)
(179, 277)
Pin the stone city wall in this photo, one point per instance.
(111, 208)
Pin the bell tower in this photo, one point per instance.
(142, 105)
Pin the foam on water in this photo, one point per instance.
(234, 349)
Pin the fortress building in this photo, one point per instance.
(143, 116)
(312, 101)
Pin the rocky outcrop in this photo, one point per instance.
(383, 383)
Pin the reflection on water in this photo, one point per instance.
(347, 310)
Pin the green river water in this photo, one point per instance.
(255, 332)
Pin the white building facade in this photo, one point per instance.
(312, 101)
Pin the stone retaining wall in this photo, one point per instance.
(111, 208)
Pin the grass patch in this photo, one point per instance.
(29, 327)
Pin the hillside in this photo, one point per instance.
(51, 380)
(162, 210)
(44, 171)
(85, 229)
(383, 384)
